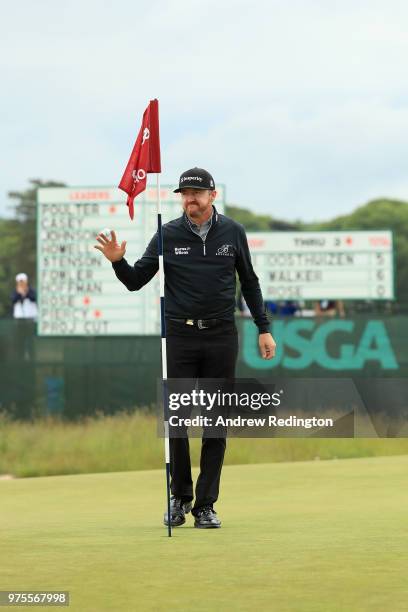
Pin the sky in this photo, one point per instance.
(300, 107)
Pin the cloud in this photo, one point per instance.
(303, 167)
(299, 107)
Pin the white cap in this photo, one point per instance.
(22, 277)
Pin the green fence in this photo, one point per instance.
(84, 375)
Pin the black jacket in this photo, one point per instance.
(200, 275)
(17, 297)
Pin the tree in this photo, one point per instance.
(10, 244)
(260, 223)
(25, 210)
(382, 214)
(18, 240)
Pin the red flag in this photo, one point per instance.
(145, 157)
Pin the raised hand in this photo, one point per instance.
(110, 248)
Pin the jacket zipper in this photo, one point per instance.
(205, 237)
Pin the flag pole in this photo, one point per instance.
(163, 351)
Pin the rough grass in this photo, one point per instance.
(129, 442)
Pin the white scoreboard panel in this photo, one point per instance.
(78, 291)
(324, 265)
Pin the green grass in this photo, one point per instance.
(129, 442)
(319, 536)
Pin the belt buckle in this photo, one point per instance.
(200, 324)
(189, 322)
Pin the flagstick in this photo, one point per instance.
(163, 351)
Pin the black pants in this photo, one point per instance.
(199, 353)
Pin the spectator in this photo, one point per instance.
(329, 308)
(24, 299)
(286, 308)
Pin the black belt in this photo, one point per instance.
(199, 323)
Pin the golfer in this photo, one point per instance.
(202, 251)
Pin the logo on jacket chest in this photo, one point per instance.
(182, 250)
(227, 250)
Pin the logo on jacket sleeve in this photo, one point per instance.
(226, 249)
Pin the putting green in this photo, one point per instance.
(312, 536)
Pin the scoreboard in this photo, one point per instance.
(78, 292)
(324, 265)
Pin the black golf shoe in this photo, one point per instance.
(206, 518)
(178, 510)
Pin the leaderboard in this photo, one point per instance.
(78, 292)
(324, 265)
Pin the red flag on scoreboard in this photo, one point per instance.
(145, 157)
